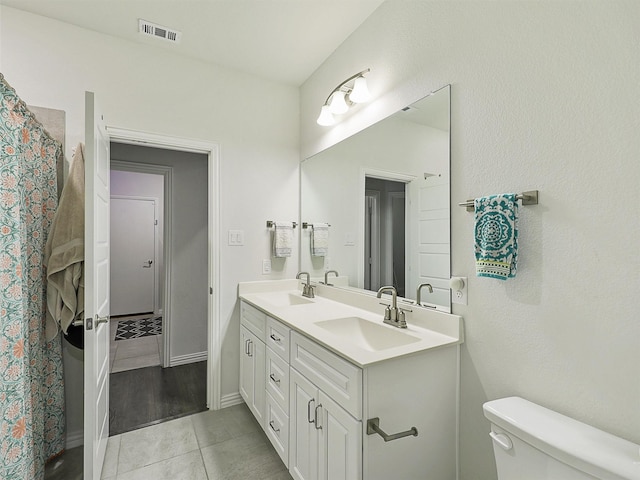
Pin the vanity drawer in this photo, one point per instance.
(277, 338)
(278, 379)
(341, 380)
(253, 319)
(277, 429)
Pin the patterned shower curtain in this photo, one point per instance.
(31, 382)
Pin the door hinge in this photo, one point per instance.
(210, 290)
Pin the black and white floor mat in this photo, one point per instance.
(142, 327)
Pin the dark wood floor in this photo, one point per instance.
(142, 397)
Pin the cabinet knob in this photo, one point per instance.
(274, 338)
(277, 430)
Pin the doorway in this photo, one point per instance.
(384, 231)
(179, 275)
(136, 269)
(183, 324)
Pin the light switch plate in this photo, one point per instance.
(266, 266)
(349, 240)
(236, 238)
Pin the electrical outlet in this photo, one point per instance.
(266, 266)
(459, 292)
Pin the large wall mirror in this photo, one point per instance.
(385, 194)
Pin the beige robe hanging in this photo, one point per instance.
(64, 253)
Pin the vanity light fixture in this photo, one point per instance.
(353, 90)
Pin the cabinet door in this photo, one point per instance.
(303, 440)
(252, 373)
(340, 449)
(246, 366)
(257, 351)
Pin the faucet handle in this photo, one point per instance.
(402, 323)
(387, 311)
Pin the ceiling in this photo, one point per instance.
(281, 40)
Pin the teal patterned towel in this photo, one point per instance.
(496, 236)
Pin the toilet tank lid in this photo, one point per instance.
(582, 446)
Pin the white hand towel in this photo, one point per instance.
(320, 239)
(282, 239)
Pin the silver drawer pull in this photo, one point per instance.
(274, 338)
(274, 379)
(315, 419)
(311, 420)
(277, 430)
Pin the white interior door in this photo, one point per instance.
(428, 258)
(133, 266)
(96, 324)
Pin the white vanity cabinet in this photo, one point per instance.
(326, 417)
(264, 374)
(314, 405)
(325, 439)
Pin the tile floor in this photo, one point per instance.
(136, 352)
(224, 444)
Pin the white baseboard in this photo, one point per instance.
(230, 400)
(188, 358)
(74, 439)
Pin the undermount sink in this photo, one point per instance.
(282, 299)
(367, 335)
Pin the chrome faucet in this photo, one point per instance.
(392, 314)
(429, 287)
(307, 288)
(326, 276)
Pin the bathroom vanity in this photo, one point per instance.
(327, 380)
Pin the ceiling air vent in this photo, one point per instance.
(158, 31)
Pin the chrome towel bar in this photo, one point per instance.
(528, 198)
(271, 223)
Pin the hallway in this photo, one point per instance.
(146, 396)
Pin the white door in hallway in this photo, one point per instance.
(133, 263)
(96, 293)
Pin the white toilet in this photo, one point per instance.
(531, 442)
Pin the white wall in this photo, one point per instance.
(544, 96)
(255, 122)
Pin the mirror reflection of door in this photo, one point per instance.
(385, 225)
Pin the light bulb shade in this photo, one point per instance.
(338, 104)
(326, 118)
(360, 91)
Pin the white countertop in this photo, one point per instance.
(428, 329)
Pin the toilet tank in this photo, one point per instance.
(531, 442)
